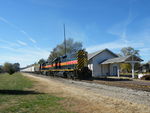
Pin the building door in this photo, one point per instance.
(115, 70)
(90, 66)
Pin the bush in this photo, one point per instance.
(11, 68)
(8, 67)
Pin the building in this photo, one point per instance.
(105, 63)
(145, 67)
(95, 60)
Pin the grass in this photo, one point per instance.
(16, 96)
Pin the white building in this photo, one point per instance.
(105, 62)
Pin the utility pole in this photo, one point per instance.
(65, 39)
(133, 64)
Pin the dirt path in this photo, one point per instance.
(94, 98)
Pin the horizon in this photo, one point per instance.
(30, 29)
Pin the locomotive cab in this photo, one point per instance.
(82, 67)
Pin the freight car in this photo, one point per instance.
(29, 69)
(74, 66)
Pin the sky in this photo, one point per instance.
(30, 29)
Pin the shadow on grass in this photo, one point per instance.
(112, 79)
(17, 92)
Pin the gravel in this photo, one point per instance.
(135, 96)
(126, 94)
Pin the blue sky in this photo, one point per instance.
(29, 29)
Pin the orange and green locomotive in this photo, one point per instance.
(74, 66)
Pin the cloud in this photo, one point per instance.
(7, 22)
(32, 40)
(28, 36)
(139, 39)
(22, 53)
(9, 43)
(23, 59)
(120, 29)
(4, 20)
(25, 56)
(21, 43)
(17, 28)
(118, 44)
(145, 51)
(8, 48)
(25, 33)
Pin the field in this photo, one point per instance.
(17, 96)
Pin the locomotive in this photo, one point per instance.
(74, 66)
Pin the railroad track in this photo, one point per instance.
(134, 84)
(124, 83)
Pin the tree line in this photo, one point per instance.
(9, 68)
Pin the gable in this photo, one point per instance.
(103, 56)
(98, 53)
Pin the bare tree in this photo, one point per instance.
(129, 51)
(59, 50)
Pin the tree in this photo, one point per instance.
(1, 69)
(8, 67)
(16, 67)
(129, 51)
(11, 68)
(59, 50)
(126, 51)
(41, 61)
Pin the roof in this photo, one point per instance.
(122, 59)
(91, 55)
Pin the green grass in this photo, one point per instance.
(15, 98)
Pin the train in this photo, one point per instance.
(73, 66)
